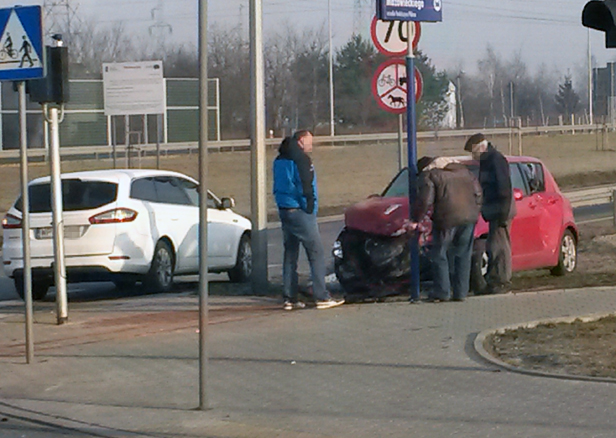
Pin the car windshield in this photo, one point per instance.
(76, 195)
(399, 186)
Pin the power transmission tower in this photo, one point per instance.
(59, 18)
(360, 26)
(160, 29)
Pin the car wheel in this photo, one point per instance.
(39, 288)
(479, 266)
(160, 277)
(567, 258)
(242, 270)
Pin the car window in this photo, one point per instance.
(535, 177)
(143, 189)
(76, 195)
(192, 191)
(169, 191)
(399, 186)
(517, 180)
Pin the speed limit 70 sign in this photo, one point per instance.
(391, 37)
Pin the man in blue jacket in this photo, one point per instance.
(295, 190)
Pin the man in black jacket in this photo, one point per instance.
(498, 210)
(454, 195)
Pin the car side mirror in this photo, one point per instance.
(226, 203)
(518, 194)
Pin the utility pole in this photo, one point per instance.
(331, 71)
(59, 17)
(590, 90)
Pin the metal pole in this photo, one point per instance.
(25, 221)
(259, 180)
(411, 133)
(127, 140)
(590, 109)
(331, 71)
(159, 134)
(57, 217)
(114, 139)
(400, 141)
(203, 181)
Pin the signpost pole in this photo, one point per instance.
(412, 163)
(400, 141)
(25, 221)
(203, 182)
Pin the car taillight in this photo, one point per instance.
(116, 216)
(11, 222)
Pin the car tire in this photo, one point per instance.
(479, 266)
(567, 257)
(39, 288)
(242, 270)
(160, 276)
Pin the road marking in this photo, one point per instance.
(590, 221)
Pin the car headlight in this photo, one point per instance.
(337, 249)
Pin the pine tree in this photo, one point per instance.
(567, 100)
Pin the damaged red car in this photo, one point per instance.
(371, 253)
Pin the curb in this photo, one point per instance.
(479, 341)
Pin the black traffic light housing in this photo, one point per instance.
(601, 15)
(53, 88)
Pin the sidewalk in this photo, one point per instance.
(129, 368)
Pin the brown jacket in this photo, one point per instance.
(454, 194)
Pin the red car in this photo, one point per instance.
(371, 255)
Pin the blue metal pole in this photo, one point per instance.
(412, 163)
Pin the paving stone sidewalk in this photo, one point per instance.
(127, 368)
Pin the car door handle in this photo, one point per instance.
(533, 206)
(552, 201)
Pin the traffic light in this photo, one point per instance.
(600, 15)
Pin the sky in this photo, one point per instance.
(542, 31)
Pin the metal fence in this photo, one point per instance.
(85, 122)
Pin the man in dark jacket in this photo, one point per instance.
(295, 190)
(454, 194)
(498, 210)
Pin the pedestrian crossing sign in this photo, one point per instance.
(21, 43)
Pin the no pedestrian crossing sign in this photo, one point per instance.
(21, 43)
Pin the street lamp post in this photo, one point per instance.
(331, 70)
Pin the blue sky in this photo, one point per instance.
(543, 31)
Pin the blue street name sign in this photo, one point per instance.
(21, 43)
(409, 10)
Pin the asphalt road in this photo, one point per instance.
(329, 231)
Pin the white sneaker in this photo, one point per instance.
(328, 304)
(288, 305)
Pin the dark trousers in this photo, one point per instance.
(498, 246)
(452, 250)
(301, 227)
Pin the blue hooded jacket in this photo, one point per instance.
(295, 180)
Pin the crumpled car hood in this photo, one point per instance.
(378, 215)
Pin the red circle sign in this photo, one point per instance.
(391, 37)
(389, 86)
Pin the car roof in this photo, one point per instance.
(113, 175)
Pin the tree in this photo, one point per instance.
(567, 100)
(356, 63)
(433, 105)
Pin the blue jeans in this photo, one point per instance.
(451, 254)
(301, 227)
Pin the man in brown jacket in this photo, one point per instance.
(455, 196)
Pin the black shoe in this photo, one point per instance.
(460, 300)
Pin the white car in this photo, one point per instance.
(126, 226)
